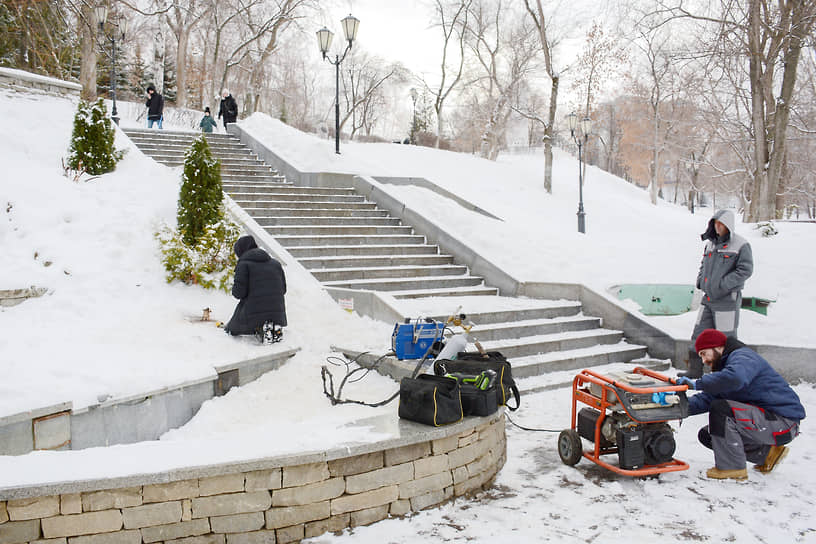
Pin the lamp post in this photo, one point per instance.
(324, 39)
(581, 138)
(117, 29)
(414, 96)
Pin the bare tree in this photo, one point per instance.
(547, 43)
(362, 84)
(766, 37)
(452, 21)
(505, 50)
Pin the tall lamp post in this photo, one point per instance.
(324, 39)
(414, 96)
(116, 30)
(580, 134)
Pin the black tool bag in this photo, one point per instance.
(432, 400)
(479, 402)
(474, 363)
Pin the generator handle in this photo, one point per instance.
(587, 375)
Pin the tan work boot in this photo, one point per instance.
(717, 474)
(774, 457)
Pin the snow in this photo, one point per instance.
(110, 326)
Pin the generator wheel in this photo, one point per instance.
(570, 448)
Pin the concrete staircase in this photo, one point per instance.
(347, 242)
(238, 162)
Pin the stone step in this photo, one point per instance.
(570, 359)
(267, 221)
(338, 230)
(547, 310)
(231, 163)
(179, 149)
(294, 204)
(151, 132)
(403, 284)
(533, 327)
(319, 263)
(359, 240)
(326, 275)
(252, 176)
(287, 196)
(445, 292)
(181, 139)
(362, 251)
(546, 343)
(235, 187)
(279, 213)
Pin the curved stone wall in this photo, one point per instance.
(275, 500)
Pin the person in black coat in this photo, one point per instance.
(228, 109)
(155, 107)
(259, 285)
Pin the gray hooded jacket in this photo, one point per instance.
(727, 261)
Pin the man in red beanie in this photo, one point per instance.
(752, 411)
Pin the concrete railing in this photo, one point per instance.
(278, 499)
(794, 363)
(20, 80)
(144, 416)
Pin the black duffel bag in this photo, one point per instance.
(474, 363)
(432, 400)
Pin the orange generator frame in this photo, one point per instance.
(634, 416)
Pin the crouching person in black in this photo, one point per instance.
(259, 285)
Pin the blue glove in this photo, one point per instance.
(685, 381)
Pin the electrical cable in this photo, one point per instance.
(523, 428)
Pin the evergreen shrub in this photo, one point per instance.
(201, 194)
(200, 250)
(92, 149)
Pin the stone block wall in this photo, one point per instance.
(271, 506)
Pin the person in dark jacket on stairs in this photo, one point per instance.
(228, 109)
(155, 107)
(259, 285)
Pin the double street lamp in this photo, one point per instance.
(324, 39)
(580, 134)
(111, 32)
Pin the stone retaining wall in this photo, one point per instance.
(274, 505)
(20, 80)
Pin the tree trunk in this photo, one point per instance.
(181, 67)
(548, 135)
(655, 158)
(87, 67)
(158, 61)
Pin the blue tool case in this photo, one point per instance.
(412, 340)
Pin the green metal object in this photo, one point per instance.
(756, 304)
(658, 298)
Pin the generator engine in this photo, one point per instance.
(639, 444)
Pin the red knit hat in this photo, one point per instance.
(709, 338)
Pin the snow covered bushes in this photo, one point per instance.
(200, 251)
(91, 147)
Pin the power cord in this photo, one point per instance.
(523, 428)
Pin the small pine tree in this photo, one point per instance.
(92, 147)
(201, 194)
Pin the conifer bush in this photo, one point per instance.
(200, 251)
(92, 149)
(201, 194)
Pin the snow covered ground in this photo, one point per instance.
(111, 326)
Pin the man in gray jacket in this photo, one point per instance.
(727, 264)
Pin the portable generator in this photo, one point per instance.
(627, 413)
